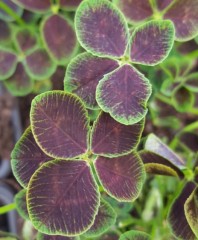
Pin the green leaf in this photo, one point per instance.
(63, 198)
(60, 124)
(191, 211)
(95, 22)
(134, 235)
(124, 94)
(21, 204)
(152, 42)
(104, 219)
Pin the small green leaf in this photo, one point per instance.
(135, 235)
(104, 219)
(191, 211)
(21, 204)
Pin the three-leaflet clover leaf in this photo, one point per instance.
(55, 158)
(119, 88)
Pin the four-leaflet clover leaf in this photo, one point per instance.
(60, 157)
(104, 75)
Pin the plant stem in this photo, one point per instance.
(10, 12)
(7, 208)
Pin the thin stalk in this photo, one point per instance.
(7, 208)
(10, 12)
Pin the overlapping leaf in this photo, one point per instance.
(177, 218)
(5, 32)
(59, 194)
(191, 211)
(122, 177)
(157, 164)
(24, 39)
(69, 5)
(151, 43)
(124, 94)
(26, 158)
(51, 116)
(110, 138)
(184, 15)
(134, 235)
(35, 5)
(83, 75)
(59, 38)
(95, 26)
(20, 83)
(8, 62)
(182, 99)
(104, 219)
(135, 11)
(191, 82)
(39, 65)
(155, 145)
(21, 204)
(41, 236)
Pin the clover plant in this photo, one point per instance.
(83, 159)
(34, 56)
(61, 152)
(119, 88)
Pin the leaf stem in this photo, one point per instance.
(12, 13)
(7, 208)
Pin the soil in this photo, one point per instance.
(6, 131)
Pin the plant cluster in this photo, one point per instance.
(83, 158)
(29, 55)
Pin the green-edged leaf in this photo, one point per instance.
(95, 22)
(182, 99)
(42, 86)
(184, 15)
(110, 138)
(5, 32)
(83, 75)
(152, 42)
(105, 218)
(191, 211)
(41, 236)
(155, 145)
(35, 5)
(156, 164)
(190, 140)
(60, 124)
(124, 94)
(191, 82)
(69, 5)
(122, 177)
(135, 11)
(63, 198)
(19, 84)
(26, 158)
(10, 6)
(21, 204)
(39, 64)
(59, 38)
(163, 4)
(8, 62)
(177, 218)
(135, 235)
(24, 39)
